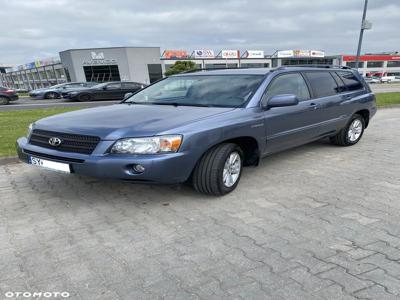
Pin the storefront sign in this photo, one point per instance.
(285, 53)
(98, 58)
(317, 53)
(175, 54)
(230, 53)
(254, 54)
(207, 53)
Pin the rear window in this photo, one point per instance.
(322, 84)
(350, 80)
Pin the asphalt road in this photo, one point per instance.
(385, 87)
(316, 222)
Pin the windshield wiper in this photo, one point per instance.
(180, 104)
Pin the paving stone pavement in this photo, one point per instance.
(315, 222)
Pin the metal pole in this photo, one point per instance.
(361, 34)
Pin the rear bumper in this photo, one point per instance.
(162, 168)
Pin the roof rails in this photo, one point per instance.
(218, 69)
(315, 66)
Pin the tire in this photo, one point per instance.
(344, 137)
(4, 100)
(85, 97)
(51, 95)
(208, 175)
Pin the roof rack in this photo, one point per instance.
(315, 66)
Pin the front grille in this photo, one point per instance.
(76, 143)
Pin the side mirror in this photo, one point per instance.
(127, 95)
(282, 100)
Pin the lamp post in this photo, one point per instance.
(365, 25)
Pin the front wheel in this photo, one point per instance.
(51, 95)
(4, 100)
(352, 133)
(219, 170)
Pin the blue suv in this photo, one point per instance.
(203, 127)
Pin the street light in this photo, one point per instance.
(365, 25)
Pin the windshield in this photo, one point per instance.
(200, 90)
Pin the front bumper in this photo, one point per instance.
(161, 168)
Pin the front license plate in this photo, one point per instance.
(48, 164)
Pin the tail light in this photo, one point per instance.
(9, 91)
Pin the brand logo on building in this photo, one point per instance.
(207, 53)
(99, 55)
(175, 54)
(230, 53)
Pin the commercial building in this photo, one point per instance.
(147, 64)
(375, 64)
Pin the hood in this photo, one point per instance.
(127, 120)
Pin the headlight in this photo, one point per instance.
(148, 145)
(30, 127)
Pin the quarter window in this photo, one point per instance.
(322, 84)
(292, 83)
(350, 80)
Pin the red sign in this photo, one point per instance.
(175, 54)
(370, 57)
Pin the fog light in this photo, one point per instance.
(138, 168)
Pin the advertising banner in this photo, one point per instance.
(254, 54)
(230, 53)
(285, 53)
(175, 54)
(317, 53)
(206, 53)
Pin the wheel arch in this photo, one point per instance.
(365, 114)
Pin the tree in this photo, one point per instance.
(180, 66)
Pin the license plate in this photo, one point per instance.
(48, 164)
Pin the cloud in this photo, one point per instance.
(32, 29)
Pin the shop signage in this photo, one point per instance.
(175, 54)
(230, 53)
(254, 54)
(207, 53)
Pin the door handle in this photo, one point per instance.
(314, 106)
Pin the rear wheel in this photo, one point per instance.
(4, 100)
(51, 95)
(352, 133)
(85, 97)
(219, 170)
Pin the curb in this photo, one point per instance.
(8, 160)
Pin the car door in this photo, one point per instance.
(130, 87)
(111, 91)
(327, 95)
(289, 126)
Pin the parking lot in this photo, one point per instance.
(315, 222)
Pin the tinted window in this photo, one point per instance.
(113, 86)
(292, 83)
(340, 83)
(131, 85)
(322, 84)
(374, 64)
(393, 63)
(350, 80)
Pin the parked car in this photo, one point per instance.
(7, 95)
(114, 90)
(371, 80)
(388, 79)
(55, 91)
(203, 127)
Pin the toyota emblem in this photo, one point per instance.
(55, 141)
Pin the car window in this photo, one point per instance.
(200, 90)
(292, 83)
(350, 80)
(322, 84)
(113, 86)
(340, 83)
(131, 85)
(73, 85)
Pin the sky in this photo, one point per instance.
(38, 29)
